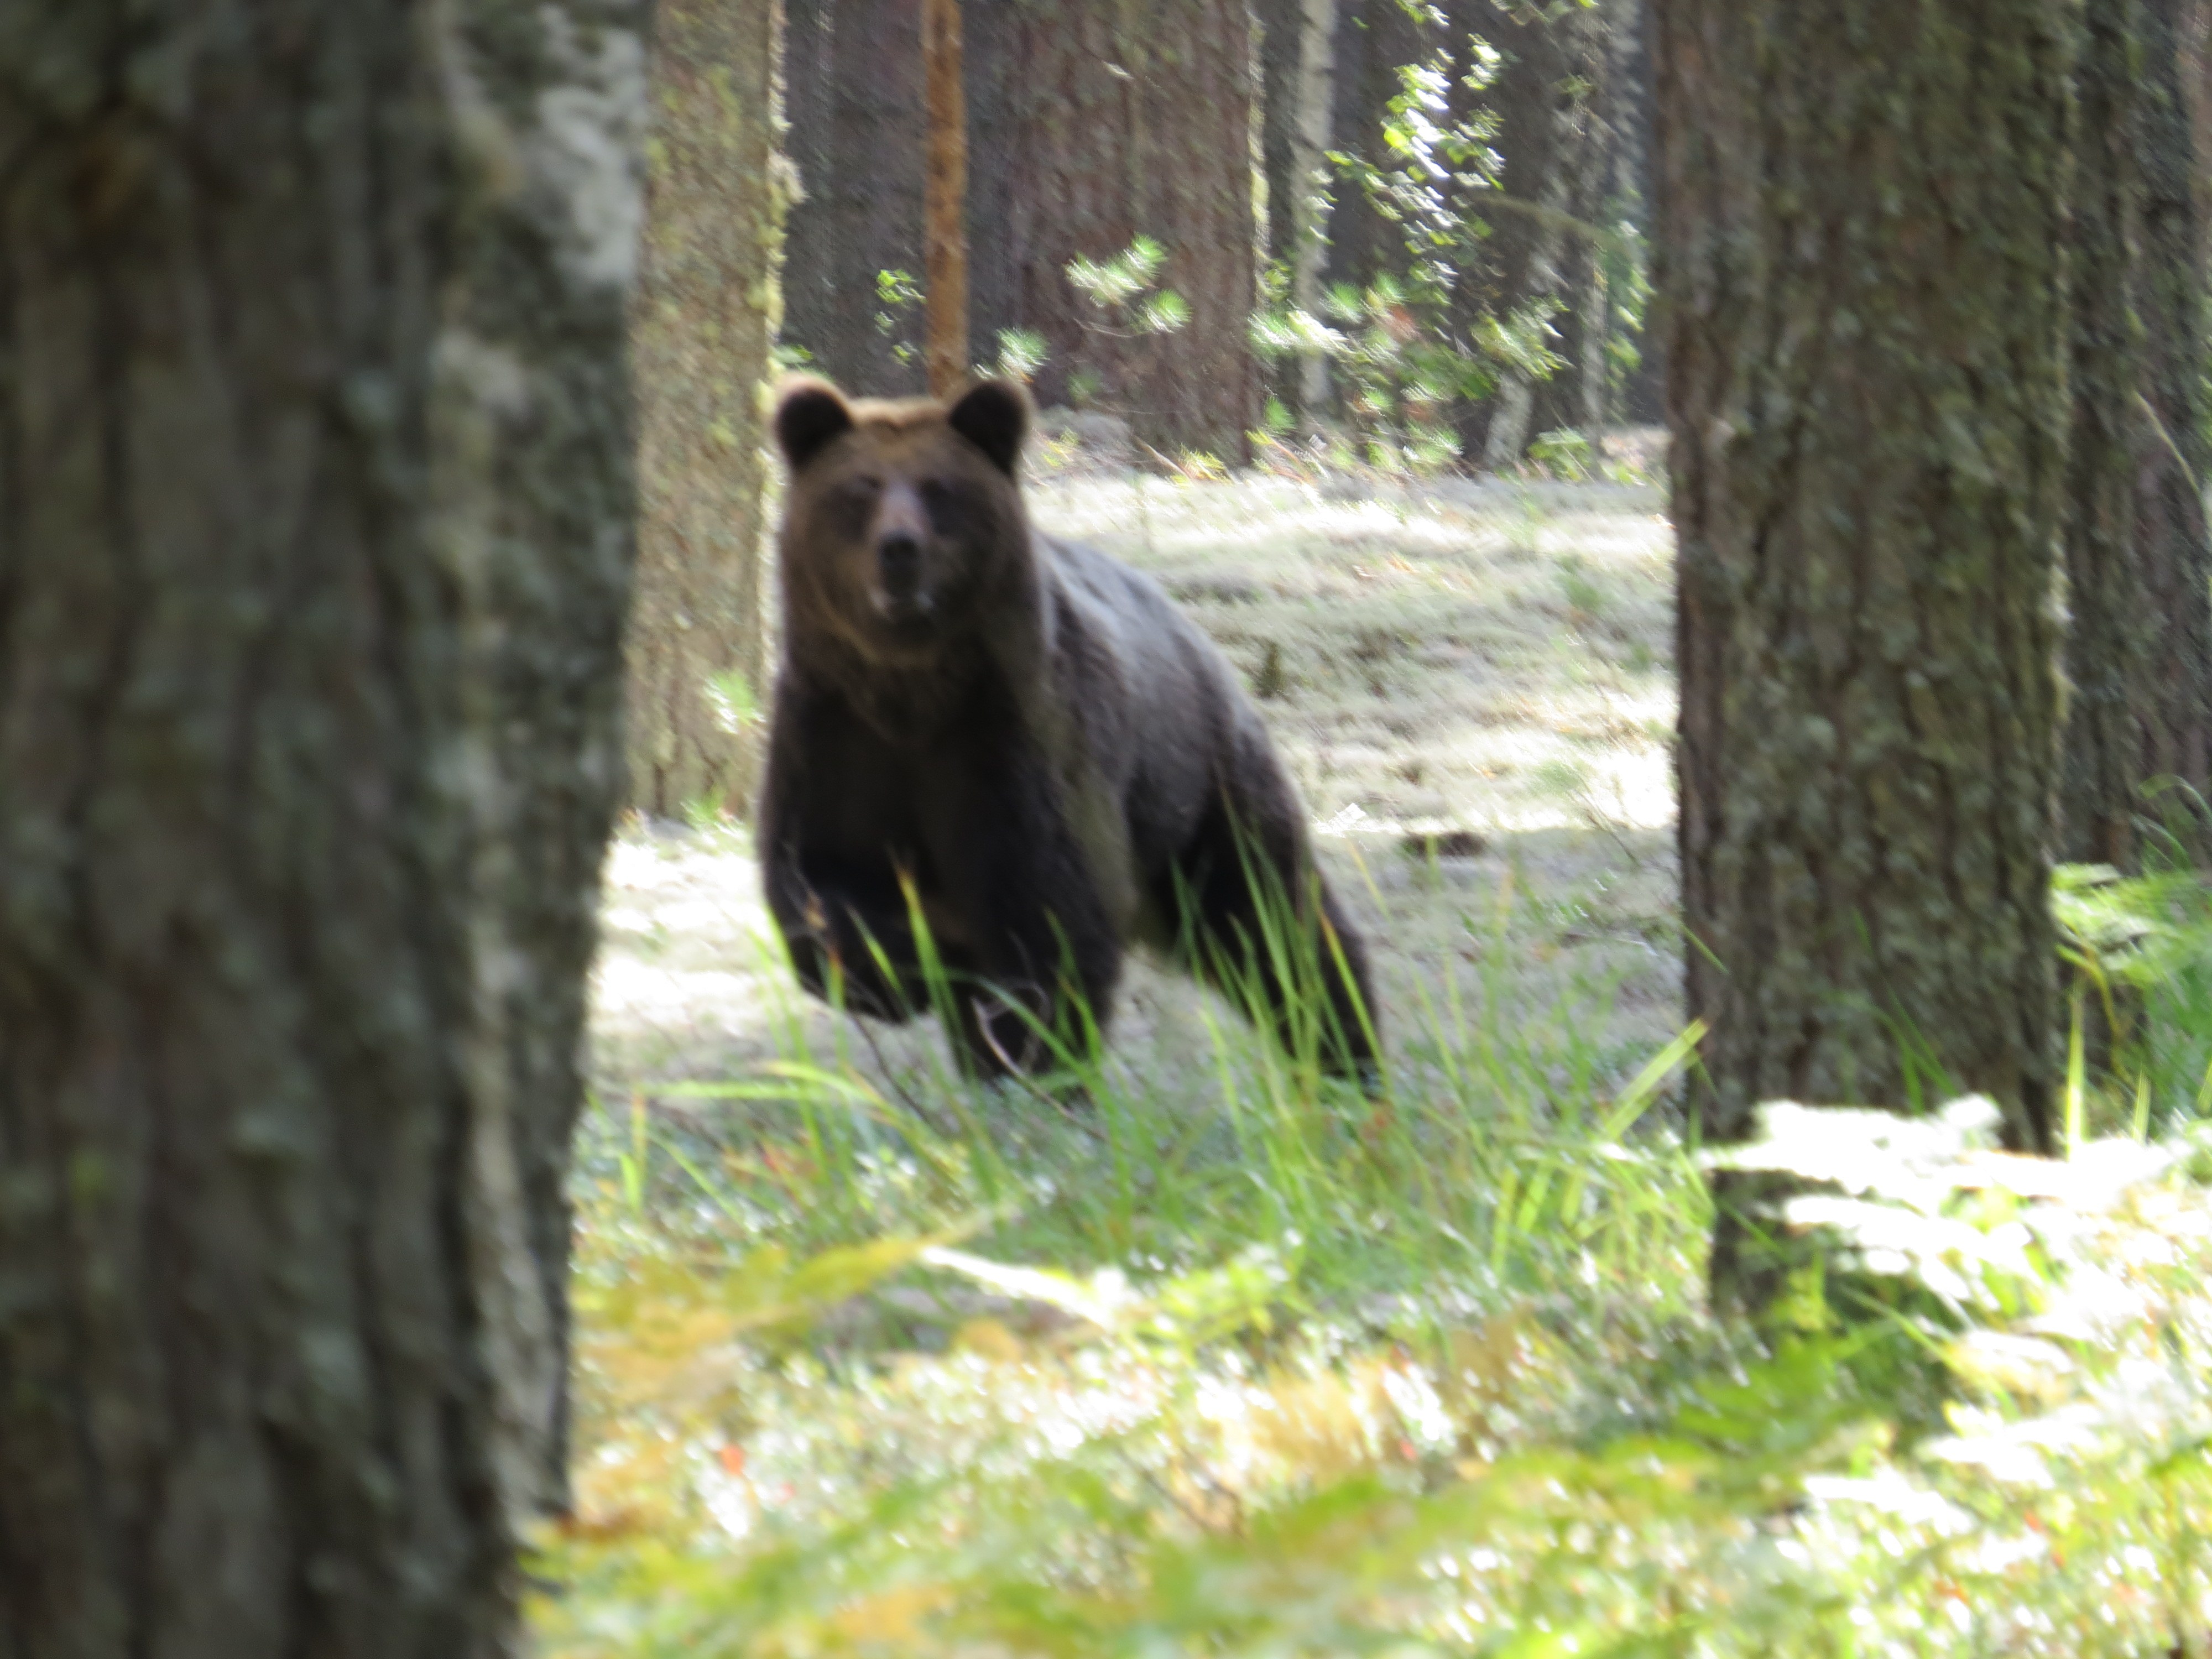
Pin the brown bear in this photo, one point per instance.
(1021, 740)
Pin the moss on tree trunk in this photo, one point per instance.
(314, 542)
(1863, 224)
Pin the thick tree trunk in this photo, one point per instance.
(314, 538)
(2108, 629)
(1134, 119)
(701, 322)
(1862, 217)
(2175, 698)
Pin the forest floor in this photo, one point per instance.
(1211, 1356)
(1473, 683)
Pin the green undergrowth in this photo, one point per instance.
(1229, 1359)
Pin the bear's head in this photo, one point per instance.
(903, 528)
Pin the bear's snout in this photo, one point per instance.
(901, 531)
(898, 563)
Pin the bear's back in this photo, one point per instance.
(1159, 707)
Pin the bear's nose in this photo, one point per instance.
(898, 561)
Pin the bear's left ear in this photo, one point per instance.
(993, 416)
(809, 415)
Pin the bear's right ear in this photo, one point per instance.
(808, 417)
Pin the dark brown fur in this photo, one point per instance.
(1023, 732)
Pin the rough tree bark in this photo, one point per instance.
(1134, 117)
(702, 321)
(314, 541)
(1862, 225)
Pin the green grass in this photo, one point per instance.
(1196, 1353)
(876, 1360)
(1503, 1152)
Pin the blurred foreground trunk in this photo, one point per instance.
(702, 323)
(1861, 237)
(314, 539)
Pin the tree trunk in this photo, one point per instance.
(945, 199)
(1375, 40)
(2175, 552)
(1280, 25)
(2109, 628)
(1298, 59)
(1135, 119)
(315, 543)
(854, 99)
(1862, 219)
(1574, 398)
(1544, 96)
(702, 321)
(1636, 184)
(2193, 22)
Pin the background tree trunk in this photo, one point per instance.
(2108, 629)
(1636, 187)
(1375, 41)
(2175, 698)
(1134, 117)
(945, 199)
(1862, 224)
(1545, 96)
(1298, 127)
(702, 321)
(853, 98)
(314, 541)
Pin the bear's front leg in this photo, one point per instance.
(848, 944)
(1044, 950)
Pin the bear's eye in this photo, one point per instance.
(951, 509)
(851, 503)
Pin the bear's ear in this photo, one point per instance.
(993, 416)
(809, 415)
